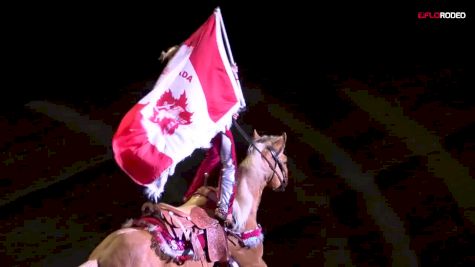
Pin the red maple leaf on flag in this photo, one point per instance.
(169, 112)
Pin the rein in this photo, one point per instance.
(283, 182)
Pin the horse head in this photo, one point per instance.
(271, 149)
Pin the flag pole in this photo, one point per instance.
(228, 46)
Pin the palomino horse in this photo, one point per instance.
(189, 235)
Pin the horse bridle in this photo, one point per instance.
(283, 180)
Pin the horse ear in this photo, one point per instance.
(282, 143)
(279, 143)
(255, 135)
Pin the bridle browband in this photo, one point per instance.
(278, 163)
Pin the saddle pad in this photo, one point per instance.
(217, 244)
(201, 218)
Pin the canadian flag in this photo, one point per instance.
(194, 99)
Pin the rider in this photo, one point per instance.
(221, 154)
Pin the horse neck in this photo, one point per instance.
(250, 184)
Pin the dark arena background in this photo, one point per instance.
(376, 102)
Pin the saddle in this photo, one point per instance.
(192, 222)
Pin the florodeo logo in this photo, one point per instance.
(441, 15)
(170, 112)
